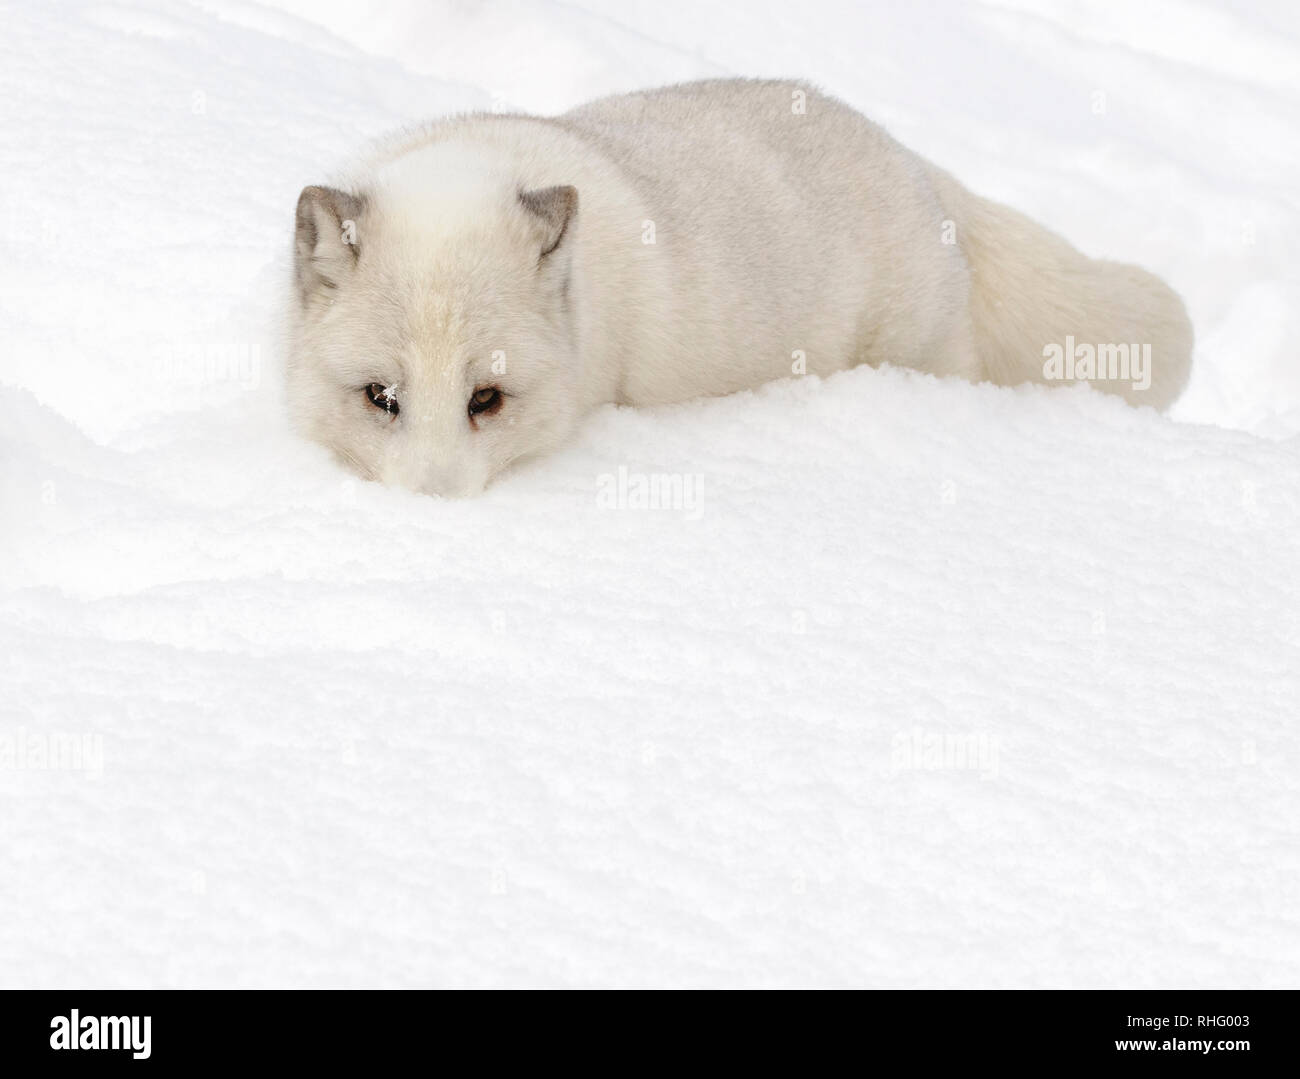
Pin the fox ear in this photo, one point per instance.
(552, 210)
(326, 242)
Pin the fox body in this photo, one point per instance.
(472, 289)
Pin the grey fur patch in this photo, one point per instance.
(322, 239)
(554, 207)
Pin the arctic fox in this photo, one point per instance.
(475, 287)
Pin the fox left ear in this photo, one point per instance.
(553, 210)
(325, 238)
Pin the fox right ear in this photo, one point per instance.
(552, 210)
(326, 241)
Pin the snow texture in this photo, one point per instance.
(913, 683)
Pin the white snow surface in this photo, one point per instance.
(931, 684)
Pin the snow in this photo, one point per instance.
(914, 683)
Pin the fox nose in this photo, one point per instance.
(416, 475)
(462, 484)
(456, 478)
(432, 464)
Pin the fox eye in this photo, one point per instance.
(485, 401)
(383, 397)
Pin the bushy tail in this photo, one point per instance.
(1116, 326)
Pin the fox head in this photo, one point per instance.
(432, 341)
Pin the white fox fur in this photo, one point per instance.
(653, 247)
